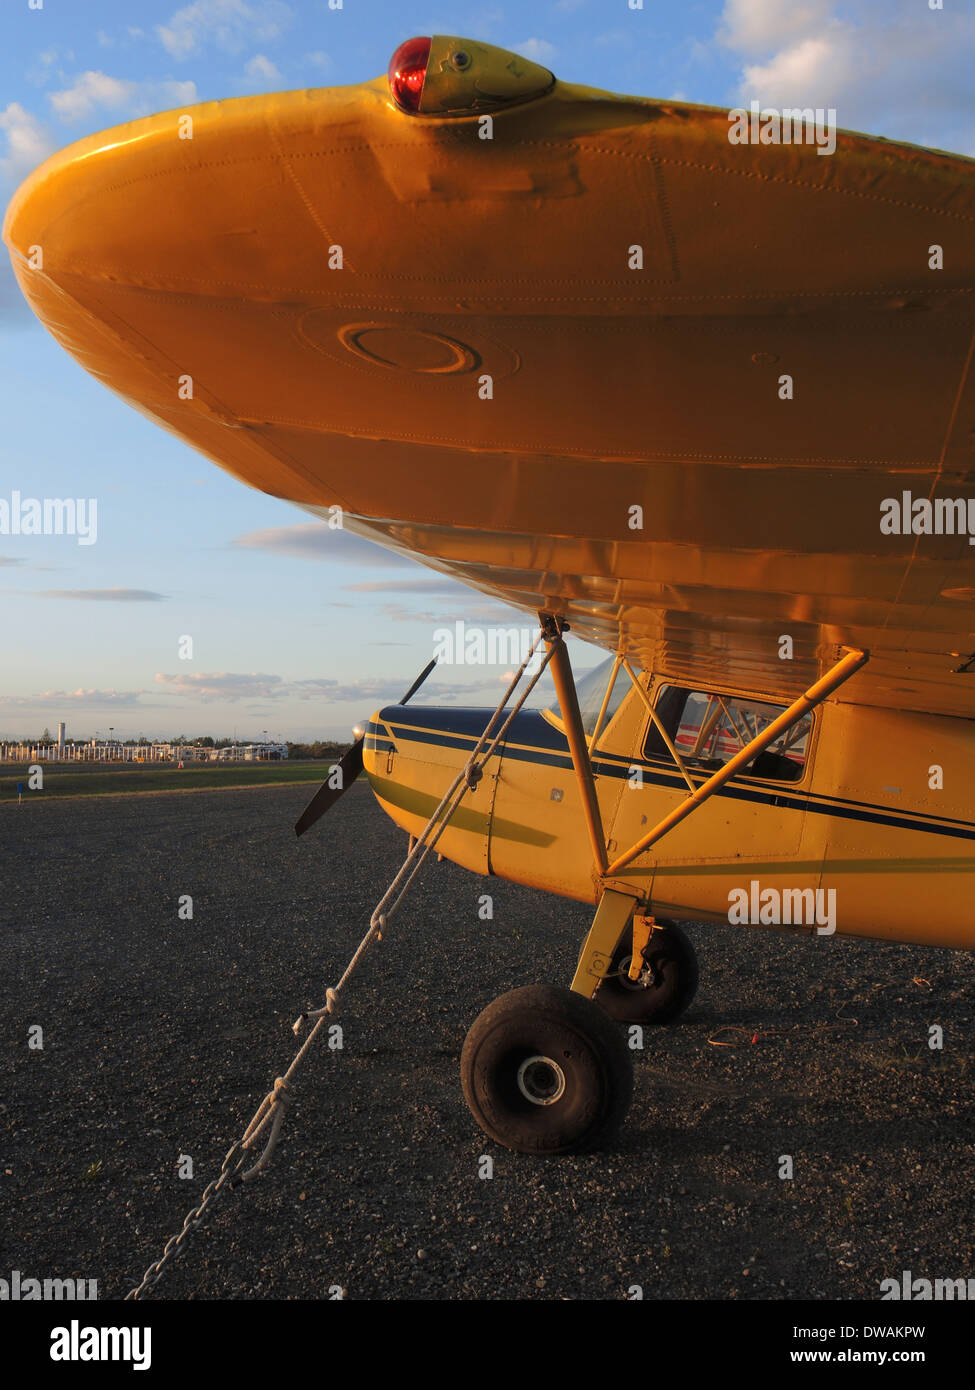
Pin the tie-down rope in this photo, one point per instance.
(273, 1108)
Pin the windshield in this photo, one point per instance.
(590, 690)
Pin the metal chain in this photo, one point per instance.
(231, 1166)
(273, 1107)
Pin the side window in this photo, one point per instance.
(709, 729)
(590, 690)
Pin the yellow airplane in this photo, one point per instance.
(707, 401)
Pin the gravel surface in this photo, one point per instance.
(161, 1035)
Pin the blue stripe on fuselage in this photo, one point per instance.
(531, 738)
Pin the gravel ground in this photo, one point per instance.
(161, 1035)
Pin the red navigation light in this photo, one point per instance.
(407, 70)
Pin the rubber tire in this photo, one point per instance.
(573, 1031)
(674, 958)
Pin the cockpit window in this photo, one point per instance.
(709, 729)
(590, 691)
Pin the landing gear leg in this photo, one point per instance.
(665, 984)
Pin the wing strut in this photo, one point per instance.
(565, 689)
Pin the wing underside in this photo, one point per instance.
(713, 369)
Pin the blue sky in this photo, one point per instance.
(283, 639)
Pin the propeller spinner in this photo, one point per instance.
(349, 766)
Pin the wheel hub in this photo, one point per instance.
(647, 978)
(541, 1080)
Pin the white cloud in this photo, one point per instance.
(229, 24)
(26, 142)
(261, 70)
(72, 697)
(92, 91)
(230, 686)
(820, 67)
(451, 588)
(170, 94)
(466, 603)
(116, 595)
(538, 50)
(760, 26)
(223, 685)
(889, 67)
(317, 541)
(385, 689)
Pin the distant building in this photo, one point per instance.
(104, 751)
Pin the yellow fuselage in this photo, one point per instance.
(863, 821)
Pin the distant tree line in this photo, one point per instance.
(318, 749)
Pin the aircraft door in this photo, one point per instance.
(751, 828)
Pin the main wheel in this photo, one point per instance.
(544, 1071)
(667, 983)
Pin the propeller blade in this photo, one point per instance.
(350, 765)
(418, 682)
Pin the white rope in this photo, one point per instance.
(273, 1108)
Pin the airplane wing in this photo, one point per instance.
(691, 394)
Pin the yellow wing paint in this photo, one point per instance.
(311, 287)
